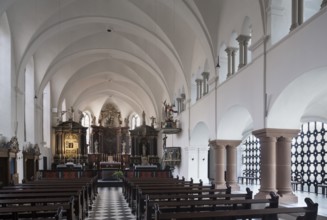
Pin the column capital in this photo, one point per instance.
(224, 143)
(205, 74)
(231, 49)
(198, 81)
(275, 132)
(243, 38)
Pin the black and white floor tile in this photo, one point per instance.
(110, 205)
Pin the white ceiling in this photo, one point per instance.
(150, 55)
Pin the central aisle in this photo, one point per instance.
(110, 205)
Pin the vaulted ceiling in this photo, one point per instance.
(132, 53)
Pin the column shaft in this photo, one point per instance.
(220, 153)
(233, 61)
(283, 165)
(300, 12)
(241, 44)
(246, 42)
(294, 15)
(231, 167)
(229, 64)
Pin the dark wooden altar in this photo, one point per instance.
(109, 144)
(144, 144)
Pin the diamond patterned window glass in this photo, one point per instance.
(309, 155)
(251, 156)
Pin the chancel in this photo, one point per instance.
(138, 100)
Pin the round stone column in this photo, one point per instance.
(229, 62)
(294, 15)
(283, 164)
(220, 154)
(231, 167)
(268, 163)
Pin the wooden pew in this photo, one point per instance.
(87, 194)
(91, 183)
(178, 192)
(78, 204)
(16, 210)
(129, 184)
(134, 185)
(310, 213)
(208, 205)
(138, 188)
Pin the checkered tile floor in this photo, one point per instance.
(110, 205)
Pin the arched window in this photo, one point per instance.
(29, 103)
(5, 76)
(86, 123)
(46, 116)
(63, 109)
(135, 121)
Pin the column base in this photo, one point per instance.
(234, 186)
(220, 185)
(263, 194)
(289, 197)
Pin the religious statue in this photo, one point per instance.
(169, 111)
(96, 146)
(164, 142)
(124, 147)
(71, 116)
(143, 150)
(81, 116)
(93, 120)
(13, 143)
(126, 122)
(152, 121)
(119, 119)
(37, 149)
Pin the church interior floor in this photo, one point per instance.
(316, 198)
(111, 205)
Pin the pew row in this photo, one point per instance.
(17, 209)
(307, 213)
(170, 192)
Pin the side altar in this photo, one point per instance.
(70, 143)
(144, 141)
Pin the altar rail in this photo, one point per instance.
(66, 174)
(147, 173)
